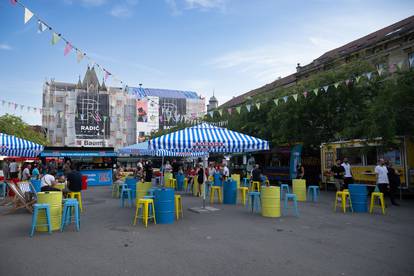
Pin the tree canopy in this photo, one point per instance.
(13, 125)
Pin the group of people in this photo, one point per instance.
(12, 170)
(387, 178)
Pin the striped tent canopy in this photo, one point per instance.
(13, 146)
(208, 138)
(142, 149)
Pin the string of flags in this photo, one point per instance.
(316, 91)
(21, 107)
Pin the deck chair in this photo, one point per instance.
(19, 200)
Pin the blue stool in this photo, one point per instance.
(295, 202)
(284, 189)
(69, 205)
(126, 193)
(3, 187)
(36, 208)
(245, 182)
(255, 201)
(313, 192)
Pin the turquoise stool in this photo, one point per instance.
(245, 182)
(3, 187)
(36, 208)
(126, 193)
(313, 192)
(70, 207)
(284, 189)
(295, 203)
(254, 201)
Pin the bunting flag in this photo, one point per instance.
(337, 84)
(211, 113)
(357, 78)
(380, 71)
(411, 61)
(276, 101)
(238, 109)
(326, 87)
(400, 64)
(368, 75)
(41, 27)
(295, 96)
(285, 98)
(248, 107)
(229, 111)
(27, 15)
(305, 94)
(107, 74)
(316, 91)
(67, 49)
(55, 38)
(220, 111)
(79, 56)
(258, 106)
(13, 2)
(347, 82)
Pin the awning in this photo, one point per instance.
(13, 146)
(142, 149)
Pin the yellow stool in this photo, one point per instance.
(185, 183)
(144, 204)
(178, 207)
(243, 193)
(255, 186)
(172, 183)
(344, 196)
(78, 196)
(375, 195)
(212, 190)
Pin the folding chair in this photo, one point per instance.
(19, 200)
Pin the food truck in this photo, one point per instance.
(363, 156)
(95, 163)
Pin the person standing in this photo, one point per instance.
(226, 172)
(13, 169)
(348, 173)
(338, 172)
(6, 170)
(167, 167)
(200, 178)
(256, 173)
(26, 173)
(35, 171)
(67, 168)
(148, 171)
(395, 182)
(74, 179)
(383, 183)
(300, 171)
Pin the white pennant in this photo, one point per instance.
(42, 27)
(295, 96)
(27, 15)
(248, 107)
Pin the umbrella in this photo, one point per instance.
(13, 146)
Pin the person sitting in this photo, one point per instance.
(74, 180)
(48, 181)
(256, 174)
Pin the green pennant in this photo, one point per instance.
(337, 84)
(357, 78)
(238, 109)
(258, 106)
(316, 91)
(276, 101)
(55, 38)
(295, 96)
(220, 112)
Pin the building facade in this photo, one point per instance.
(212, 103)
(90, 114)
(384, 49)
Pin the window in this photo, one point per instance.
(371, 155)
(58, 139)
(354, 155)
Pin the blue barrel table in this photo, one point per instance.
(164, 205)
(132, 184)
(180, 181)
(359, 197)
(217, 179)
(230, 192)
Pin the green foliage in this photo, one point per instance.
(13, 125)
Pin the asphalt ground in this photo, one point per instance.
(231, 241)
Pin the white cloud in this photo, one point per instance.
(205, 4)
(121, 11)
(6, 47)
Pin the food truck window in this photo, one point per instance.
(394, 156)
(354, 155)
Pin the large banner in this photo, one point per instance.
(147, 116)
(92, 116)
(172, 111)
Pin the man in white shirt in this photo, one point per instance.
(13, 169)
(348, 173)
(26, 173)
(48, 181)
(226, 172)
(383, 182)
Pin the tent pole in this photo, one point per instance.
(205, 182)
(162, 172)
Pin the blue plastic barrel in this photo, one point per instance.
(359, 197)
(37, 183)
(164, 205)
(180, 181)
(230, 192)
(132, 184)
(217, 179)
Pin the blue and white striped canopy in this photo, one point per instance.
(208, 138)
(142, 149)
(12, 146)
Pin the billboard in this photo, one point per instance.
(92, 116)
(147, 116)
(172, 111)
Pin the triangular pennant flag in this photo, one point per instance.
(229, 111)
(326, 87)
(220, 112)
(27, 15)
(238, 109)
(400, 64)
(55, 38)
(79, 56)
(316, 91)
(411, 61)
(305, 94)
(380, 71)
(248, 107)
(276, 101)
(13, 2)
(295, 96)
(107, 74)
(211, 113)
(369, 75)
(41, 27)
(337, 84)
(357, 78)
(67, 49)
(258, 106)
(347, 82)
(285, 98)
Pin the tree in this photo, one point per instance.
(13, 125)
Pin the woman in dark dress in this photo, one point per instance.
(394, 179)
(200, 178)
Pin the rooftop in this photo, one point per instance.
(141, 92)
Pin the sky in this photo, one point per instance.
(225, 46)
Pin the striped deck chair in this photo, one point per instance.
(19, 201)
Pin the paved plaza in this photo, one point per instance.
(231, 241)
